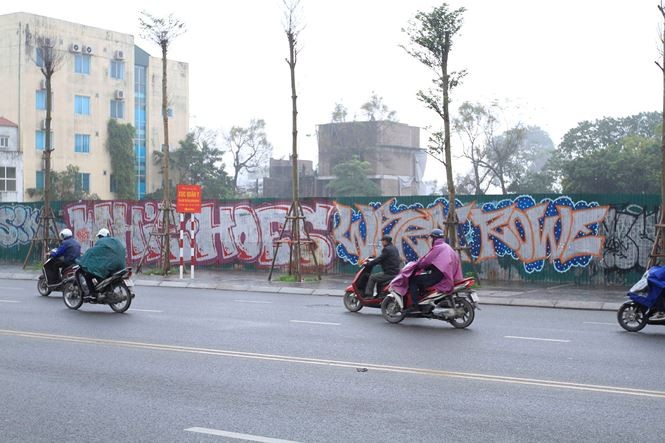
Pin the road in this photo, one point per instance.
(204, 365)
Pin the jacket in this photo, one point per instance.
(446, 260)
(104, 258)
(389, 260)
(69, 250)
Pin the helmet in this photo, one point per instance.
(436, 233)
(65, 233)
(387, 238)
(103, 233)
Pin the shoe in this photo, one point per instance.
(413, 310)
(658, 316)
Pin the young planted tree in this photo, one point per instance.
(45, 51)
(430, 42)
(249, 147)
(162, 31)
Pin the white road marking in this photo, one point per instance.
(237, 436)
(9, 301)
(146, 310)
(536, 338)
(315, 322)
(254, 301)
(598, 323)
(10, 288)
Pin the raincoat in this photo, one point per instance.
(104, 258)
(446, 260)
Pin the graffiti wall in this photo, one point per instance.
(605, 239)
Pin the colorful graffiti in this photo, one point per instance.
(18, 224)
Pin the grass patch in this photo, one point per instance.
(287, 278)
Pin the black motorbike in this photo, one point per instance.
(44, 288)
(116, 291)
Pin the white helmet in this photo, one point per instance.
(103, 233)
(65, 233)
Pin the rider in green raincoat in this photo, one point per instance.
(106, 257)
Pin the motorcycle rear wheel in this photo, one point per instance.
(124, 295)
(351, 302)
(72, 296)
(391, 311)
(42, 287)
(467, 316)
(632, 316)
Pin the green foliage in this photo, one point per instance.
(611, 155)
(249, 147)
(375, 109)
(120, 144)
(351, 179)
(65, 186)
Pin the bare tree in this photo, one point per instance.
(162, 31)
(339, 113)
(45, 52)
(249, 147)
(430, 42)
(376, 109)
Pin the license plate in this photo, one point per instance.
(129, 282)
(474, 297)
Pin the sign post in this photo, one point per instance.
(188, 201)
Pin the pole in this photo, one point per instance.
(192, 246)
(180, 244)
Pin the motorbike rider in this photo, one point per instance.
(66, 255)
(443, 268)
(105, 258)
(390, 264)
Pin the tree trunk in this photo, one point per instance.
(662, 136)
(46, 211)
(166, 221)
(451, 222)
(295, 234)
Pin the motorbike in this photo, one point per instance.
(354, 296)
(646, 305)
(44, 288)
(457, 307)
(116, 291)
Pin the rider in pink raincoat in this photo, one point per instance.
(442, 266)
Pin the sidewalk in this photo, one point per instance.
(565, 296)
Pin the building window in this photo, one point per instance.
(169, 112)
(39, 180)
(81, 143)
(113, 184)
(82, 63)
(40, 140)
(7, 179)
(40, 100)
(82, 105)
(83, 182)
(4, 141)
(39, 59)
(117, 109)
(117, 69)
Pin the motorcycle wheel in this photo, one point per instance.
(124, 295)
(391, 311)
(71, 295)
(466, 314)
(42, 287)
(351, 302)
(632, 316)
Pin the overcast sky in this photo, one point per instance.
(553, 64)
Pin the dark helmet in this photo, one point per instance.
(436, 233)
(387, 238)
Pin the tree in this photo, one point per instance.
(475, 124)
(162, 31)
(249, 147)
(65, 185)
(351, 179)
(339, 113)
(375, 109)
(430, 42)
(120, 145)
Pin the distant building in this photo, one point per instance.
(391, 148)
(11, 164)
(103, 76)
(278, 182)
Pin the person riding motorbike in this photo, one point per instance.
(390, 265)
(443, 268)
(66, 255)
(105, 258)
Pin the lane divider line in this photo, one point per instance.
(599, 323)
(147, 310)
(556, 340)
(254, 301)
(315, 322)
(343, 364)
(237, 436)
(9, 301)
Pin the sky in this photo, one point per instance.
(550, 64)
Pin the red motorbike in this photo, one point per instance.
(354, 297)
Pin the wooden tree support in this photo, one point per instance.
(658, 248)
(158, 232)
(294, 217)
(42, 235)
(456, 244)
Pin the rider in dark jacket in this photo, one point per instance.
(65, 255)
(390, 264)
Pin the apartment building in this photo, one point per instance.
(103, 75)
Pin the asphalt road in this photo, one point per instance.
(203, 365)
